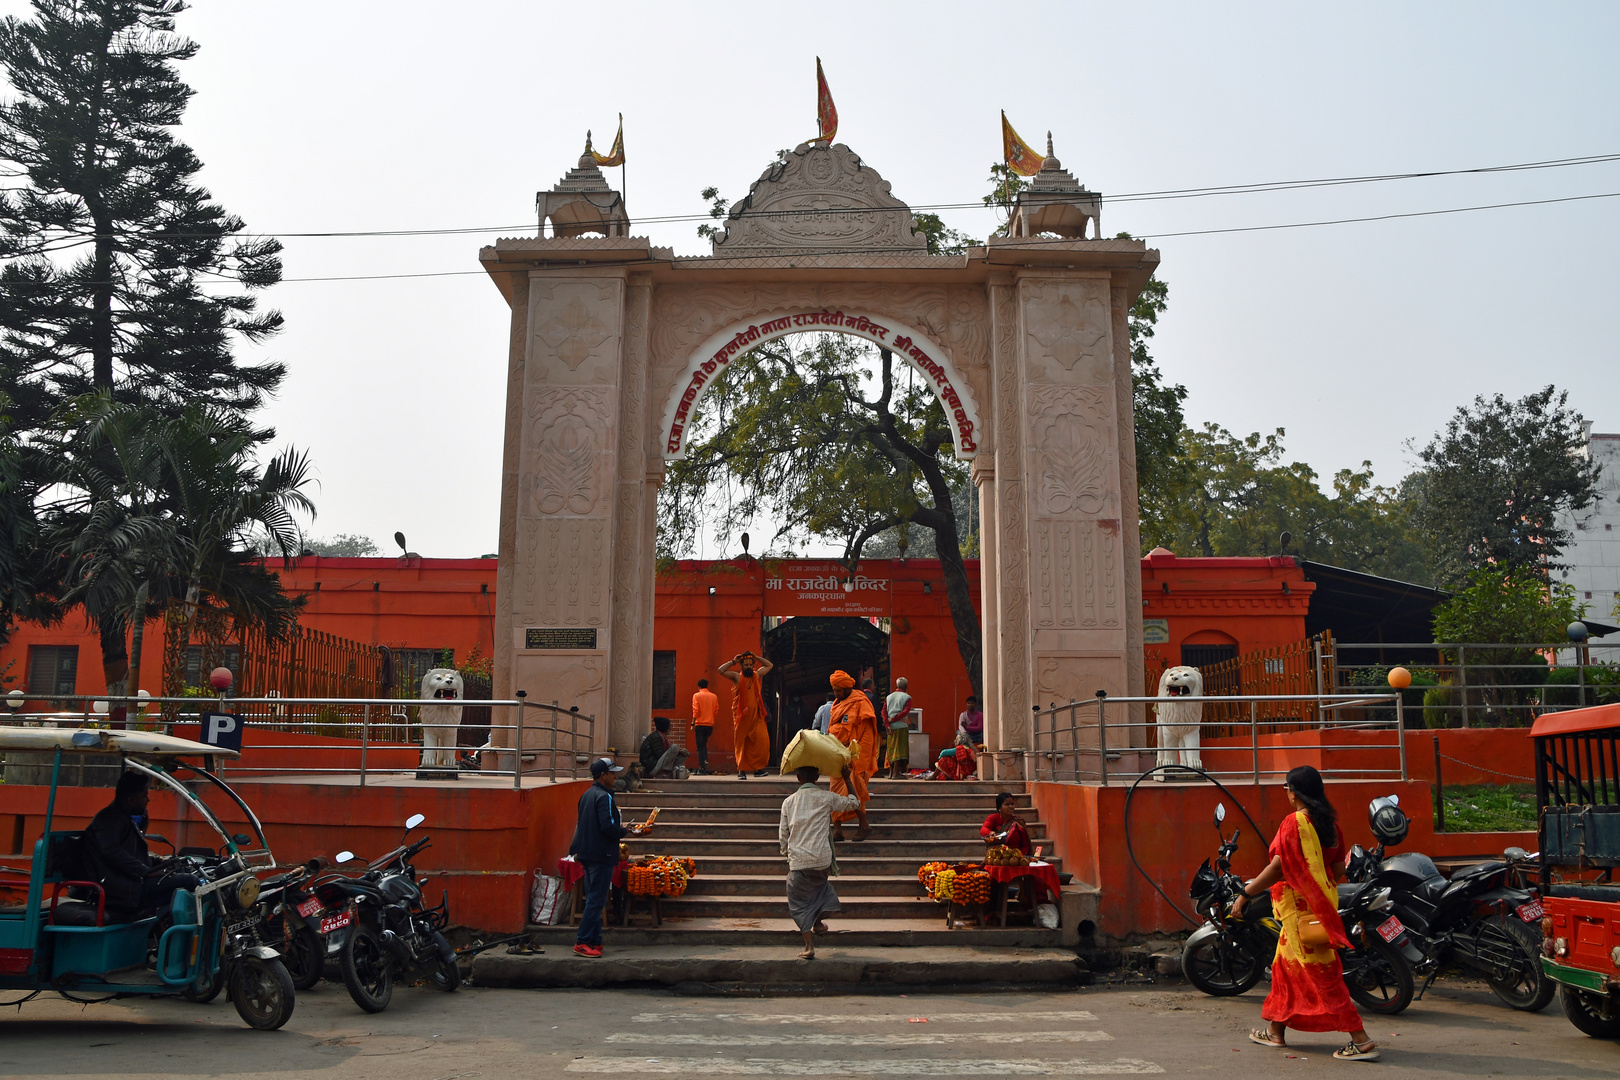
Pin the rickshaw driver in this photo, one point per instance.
(116, 847)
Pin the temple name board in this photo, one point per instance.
(826, 587)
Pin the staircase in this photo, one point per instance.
(729, 827)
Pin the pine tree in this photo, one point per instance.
(106, 244)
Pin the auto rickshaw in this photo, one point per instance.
(1578, 790)
(65, 939)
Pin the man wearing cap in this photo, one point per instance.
(596, 848)
(853, 721)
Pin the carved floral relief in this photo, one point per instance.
(1067, 328)
(567, 461)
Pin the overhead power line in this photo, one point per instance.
(1142, 236)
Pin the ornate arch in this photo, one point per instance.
(909, 344)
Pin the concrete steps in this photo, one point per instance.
(729, 827)
(782, 934)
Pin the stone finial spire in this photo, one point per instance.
(583, 202)
(1056, 203)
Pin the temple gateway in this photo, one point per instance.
(614, 343)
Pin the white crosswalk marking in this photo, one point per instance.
(847, 1067)
(923, 1037)
(838, 1020)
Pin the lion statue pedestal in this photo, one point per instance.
(1179, 719)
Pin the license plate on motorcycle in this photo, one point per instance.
(334, 922)
(1530, 912)
(309, 907)
(1390, 928)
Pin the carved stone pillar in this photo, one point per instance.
(984, 479)
(1131, 521)
(569, 507)
(511, 466)
(1079, 574)
(1011, 706)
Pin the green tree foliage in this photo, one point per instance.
(18, 486)
(1004, 188)
(106, 241)
(1161, 471)
(830, 438)
(1496, 482)
(1237, 496)
(342, 546)
(148, 507)
(942, 240)
(1504, 606)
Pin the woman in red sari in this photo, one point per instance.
(957, 762)
(1005, 826)
(1307, 983)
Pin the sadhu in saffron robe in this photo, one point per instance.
(752, 739)
(853, 721)
(1307, 985)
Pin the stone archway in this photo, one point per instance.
(613, 343)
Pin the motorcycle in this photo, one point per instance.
(1228, 956)
(392, 935)
(1476, 920)
(294, 916)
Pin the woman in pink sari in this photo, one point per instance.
(1307, 980)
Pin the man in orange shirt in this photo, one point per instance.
(853, 721)
(752, 745)
(705, 707)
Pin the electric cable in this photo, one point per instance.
(1131, 850)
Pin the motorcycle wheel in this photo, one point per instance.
(366, 969)
(1202, 966)
(305, 957)
(262, 992)
(210, 990)
(446, 977)
(1598, 1015)
(1377, 976)
(1527, 987)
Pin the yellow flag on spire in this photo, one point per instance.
(826, 111)
(1021, 157)
(614, 156)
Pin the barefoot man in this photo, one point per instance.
(853, 721)
(804, 835)
(752, 745)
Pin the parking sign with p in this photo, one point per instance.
(223, 730)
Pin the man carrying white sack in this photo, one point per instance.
(806, 839)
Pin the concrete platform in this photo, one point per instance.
(762, 967)
(780, 934)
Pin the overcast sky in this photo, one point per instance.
(1355, 338)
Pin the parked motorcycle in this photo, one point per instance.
(295, 916)
(1476, 919)
(393, 936)
(1228, 955)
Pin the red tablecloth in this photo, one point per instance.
(1043, 872)
(571, 871)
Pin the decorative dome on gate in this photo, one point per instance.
(582, 202)
(820, 200)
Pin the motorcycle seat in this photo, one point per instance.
(1484, 869)
(75, 913)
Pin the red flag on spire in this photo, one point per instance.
(1021, 157)
(826, 111)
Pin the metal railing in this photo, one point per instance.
(1090, 741)
(538, 730)
(1484, 684)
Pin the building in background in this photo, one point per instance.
(1594, 556)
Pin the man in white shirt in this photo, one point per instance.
(806, 840)
(823, 722)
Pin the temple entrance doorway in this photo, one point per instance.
(806, 650)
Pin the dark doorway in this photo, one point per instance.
(1203, 655)
(805, 651)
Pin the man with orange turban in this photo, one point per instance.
(752, 739)
(853, 722)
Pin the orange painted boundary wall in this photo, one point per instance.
(1172, 832)
(487, 842)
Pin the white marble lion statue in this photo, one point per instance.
(1178, 719)
(440, 721)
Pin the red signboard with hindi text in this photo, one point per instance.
(826, 587)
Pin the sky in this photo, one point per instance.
(1355, 338)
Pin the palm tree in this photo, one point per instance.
(154, 508)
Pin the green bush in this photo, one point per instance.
(1563, 686)
(1436, 714)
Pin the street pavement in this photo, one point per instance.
(1458, 1030)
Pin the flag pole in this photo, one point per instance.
(624, 176)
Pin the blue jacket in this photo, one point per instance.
(596, 837)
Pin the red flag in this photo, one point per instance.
(826, 111)
(614, 156)
(1021, 157)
